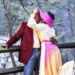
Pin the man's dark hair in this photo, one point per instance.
(51, 15)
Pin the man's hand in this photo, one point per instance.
(4, 46)
(53, 40)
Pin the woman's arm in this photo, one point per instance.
(31, 22)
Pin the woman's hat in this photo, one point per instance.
(46, 18)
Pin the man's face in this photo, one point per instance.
(37, 17)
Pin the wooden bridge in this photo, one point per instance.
(20, 68)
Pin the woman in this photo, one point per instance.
(50, 60)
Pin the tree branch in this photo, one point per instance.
(38, 5)
(46, 0)
(24, 7)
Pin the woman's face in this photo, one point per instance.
(42, 21)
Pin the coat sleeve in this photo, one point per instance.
(17, 35)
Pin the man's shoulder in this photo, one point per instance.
(25, 26)
(24, 23)
(22, 26)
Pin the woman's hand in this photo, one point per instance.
(35, 11)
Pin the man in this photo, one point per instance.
(29, 48)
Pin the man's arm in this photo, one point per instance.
(17, 36)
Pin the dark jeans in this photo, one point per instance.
(33, 63)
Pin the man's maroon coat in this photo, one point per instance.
(26, 35)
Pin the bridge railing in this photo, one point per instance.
(20, 68)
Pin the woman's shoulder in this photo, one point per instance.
(42, 25)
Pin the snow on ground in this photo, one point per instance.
(5, 61)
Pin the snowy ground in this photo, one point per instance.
(6, 62)
(5, 59)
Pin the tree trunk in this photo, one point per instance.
(10, 24)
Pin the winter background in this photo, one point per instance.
(13, 12)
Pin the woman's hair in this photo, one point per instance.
(51, 15)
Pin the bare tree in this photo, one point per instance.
(21, 2)
(9, 17)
